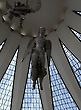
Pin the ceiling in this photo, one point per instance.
(49, 16)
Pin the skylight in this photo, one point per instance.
(62, 99)
(77, 34)
(2, 44)
(32, 100)
(74, 62)
(6, 85)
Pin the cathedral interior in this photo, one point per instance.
(62, 84)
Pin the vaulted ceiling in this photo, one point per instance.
(62, 21)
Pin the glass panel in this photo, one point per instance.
(77, 12)
(2, 44)
(62, 99)
(6, 85)
(77, 34)
(74, 62)
(31, 99)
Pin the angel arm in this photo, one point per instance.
(48, 50)
(29, 48)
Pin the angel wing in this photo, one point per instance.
(48, 47)
(34, 5)
(29, 48)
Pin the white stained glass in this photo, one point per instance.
(62, 99)
(78, 35)
(74, 62)
(1, 45)
(6, 85)
(31, 99)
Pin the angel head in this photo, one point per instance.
(41, 31)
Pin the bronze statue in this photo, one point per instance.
(38, 47)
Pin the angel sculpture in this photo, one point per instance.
(38, 47)
(20, 9)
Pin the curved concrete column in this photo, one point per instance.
(74, 4)
(7, 53)
(64, 69)
(70, 40)
(20, 76)
(73, 20)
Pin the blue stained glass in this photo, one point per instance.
(77, 34)
(6, 85)
(31, 99)
(74, 62)
(62, 99)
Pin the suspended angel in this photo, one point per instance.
(38, 47)
(21, 9)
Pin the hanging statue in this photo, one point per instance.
(38, 47)
(20, 10)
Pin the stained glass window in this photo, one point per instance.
(77, 12)
(6, 85)
(32, 100)
(74, 62)
(77, 34)
(2, 44)
(62, 99)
